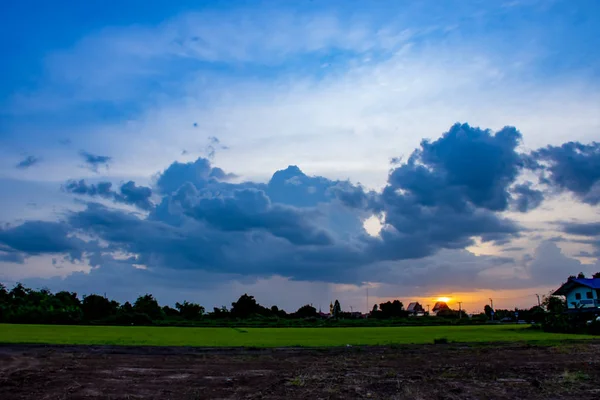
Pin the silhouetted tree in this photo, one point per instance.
(554, 304)
(96, 307)
(190, 310)
(337, 309)
(536, 314)
(392, 309)
(68, 299)
(306, 312)
(222, 312)
(148, 305)
(3, 293)
(127, 307)
(247, 306)
(488, 311)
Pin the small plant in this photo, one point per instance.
(440, 341)
(574, 377)
(297, 381)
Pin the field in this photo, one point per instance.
(491, 362)
(450, 372)
(269, 337)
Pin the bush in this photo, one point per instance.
(571, 323)
(127, 318)
(594, 328)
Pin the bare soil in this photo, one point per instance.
(499, 371)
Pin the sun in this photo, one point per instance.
(443, 299)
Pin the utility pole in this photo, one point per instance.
(367, 300)
(460, 310)
(351, 310)
(427, 308)
(492, 305)
(539, 303)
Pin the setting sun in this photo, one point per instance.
(443, 299)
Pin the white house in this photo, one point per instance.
(581, 293)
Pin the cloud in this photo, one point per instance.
(94, 161)
(40, 237)
(550, 265)
(102, 189)
(29, 161)
(11, 256)
(251, 209)
(199, 173)
(584, 229)
(527, 198)
(450, 193)
(591, 230)
(129, 192)
(574, 167)
(138, 196)
(214, 145)
(482, 178)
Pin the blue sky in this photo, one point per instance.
(178, 121)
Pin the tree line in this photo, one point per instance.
(25, 305)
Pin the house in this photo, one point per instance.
(415, 309)
(439, 306)
(581, 293)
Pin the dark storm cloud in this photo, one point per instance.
(355, 196)
(129, 192)
(292, 186)
(11, 256)
(94, 161)
(199, 173)
(449, 191)
(445, 195)
(478, 163)
(583, 229)
(574, 167)
(29, 161)
(527, 198)
(40, 237)
(102, 189)
(251, 209)
(590, 230)
(138, 196)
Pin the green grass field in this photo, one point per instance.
(269, 337)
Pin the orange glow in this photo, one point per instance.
(443, 299)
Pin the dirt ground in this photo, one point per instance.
(403, 372)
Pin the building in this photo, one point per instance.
(439, 306)
(415, 309)
(581, 293)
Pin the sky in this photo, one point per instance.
(300, 152)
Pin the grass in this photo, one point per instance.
(271, 337)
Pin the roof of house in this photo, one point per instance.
(593, 283)
(440, 305)
(414, 306)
